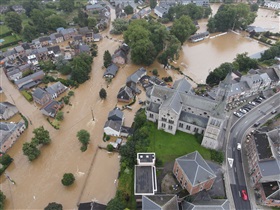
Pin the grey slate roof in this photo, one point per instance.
(115, 125)
(195, 168)
(39, 93)
(193, 119)
(45, 38)
(160, 202)
(30, 77)
(136, 76)
(125, 93)
(7, 109)
(56, 88)
(182, 85)
(111, 70)
(174, 103)
(214, 204)
(50, 107)
(42, 50)
(7, 129)
(55, 49)
(116, 114)
(153, 107)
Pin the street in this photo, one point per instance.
(260, 113)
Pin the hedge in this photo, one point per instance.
(27, 95)
(6, 34)
(10, 44)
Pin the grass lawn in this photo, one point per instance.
(168, 147)
(10, 38)
(4, 29)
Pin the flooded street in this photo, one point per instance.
(39, 182)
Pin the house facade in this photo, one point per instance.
(264, 166)
(193, 173)
(7, 110)
(178, 108)
(40, 96)
(9, 133)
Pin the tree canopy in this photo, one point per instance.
(191, 10)
(244, 63)
(183, 28)
(231, 16)
(83, 137)
(107, 59)
(128, 10)
(41, 136)
(2, 200)
(219, 74)
(53, 206)
(13, 21)
(153, 4)
(103, 93)
(68, 179)
(67, 5)
(119, 26)
(81, 67)
(31, 151)
(29, 33)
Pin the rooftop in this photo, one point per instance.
(146, 157)
(144, 181)
(263, 146)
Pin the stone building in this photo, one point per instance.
(178, 108)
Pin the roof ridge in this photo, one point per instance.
(153, 202)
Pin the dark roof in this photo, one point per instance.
(199, 35)
(83, 30)
(84, 48)
(51, 107)
(137, 75)
(91, 206)
(115, 114)
(45, 38)
(78, 37)
(111, 70)
(193, 119)
(58, 35)
(39, 93)
(263, 146)
(55, 49)
(5, 105)
(271, 73)
(144, 180)
(128, 130)
(195, 168)
(153, 107)
(115, 125)
(270, 188)
(125, 93)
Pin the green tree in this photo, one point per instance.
(91, 22)
(68, 179)
(115, 204)
(254, 7)
(83, 137)
(217, 156)
(82, 18)
(143, 52)
(183, 28)
(41, 136)
(107, 59)
(2, 200)
(120, 25)
(53, 206)
(13, 21)
(244, 63)
(110, 147)
(153, 4)
(155, 72)
(30, 150)
(29, 33)
(67, 5)
(81, 67)
(103, 93)
(55, 21)
(59, 116)
(29, 6)
(128, 10)
(6, 160)
(219, 74)
(39, 20)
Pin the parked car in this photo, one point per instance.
(263, 97)
(244, 195)
(237, 114)
(257, 124)
(273, 111)
(243, 111)
(252, 103)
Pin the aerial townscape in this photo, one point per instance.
(140, 104)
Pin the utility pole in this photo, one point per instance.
(92, 113)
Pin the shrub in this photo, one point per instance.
(71, 93)
(155, 72)
(110, 147)
(107, 138)
(217, 156)
(27, 95)
(68, 179)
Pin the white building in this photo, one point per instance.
(272, 4)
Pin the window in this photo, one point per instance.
(151, 115)
(202, 131)
(181, 125)
(188, 127)
(163, 119)
(195, 130)
(170, 127)
(171, 121)
(162, 125)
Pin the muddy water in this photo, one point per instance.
(198, 59)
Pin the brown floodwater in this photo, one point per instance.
(39, 182)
